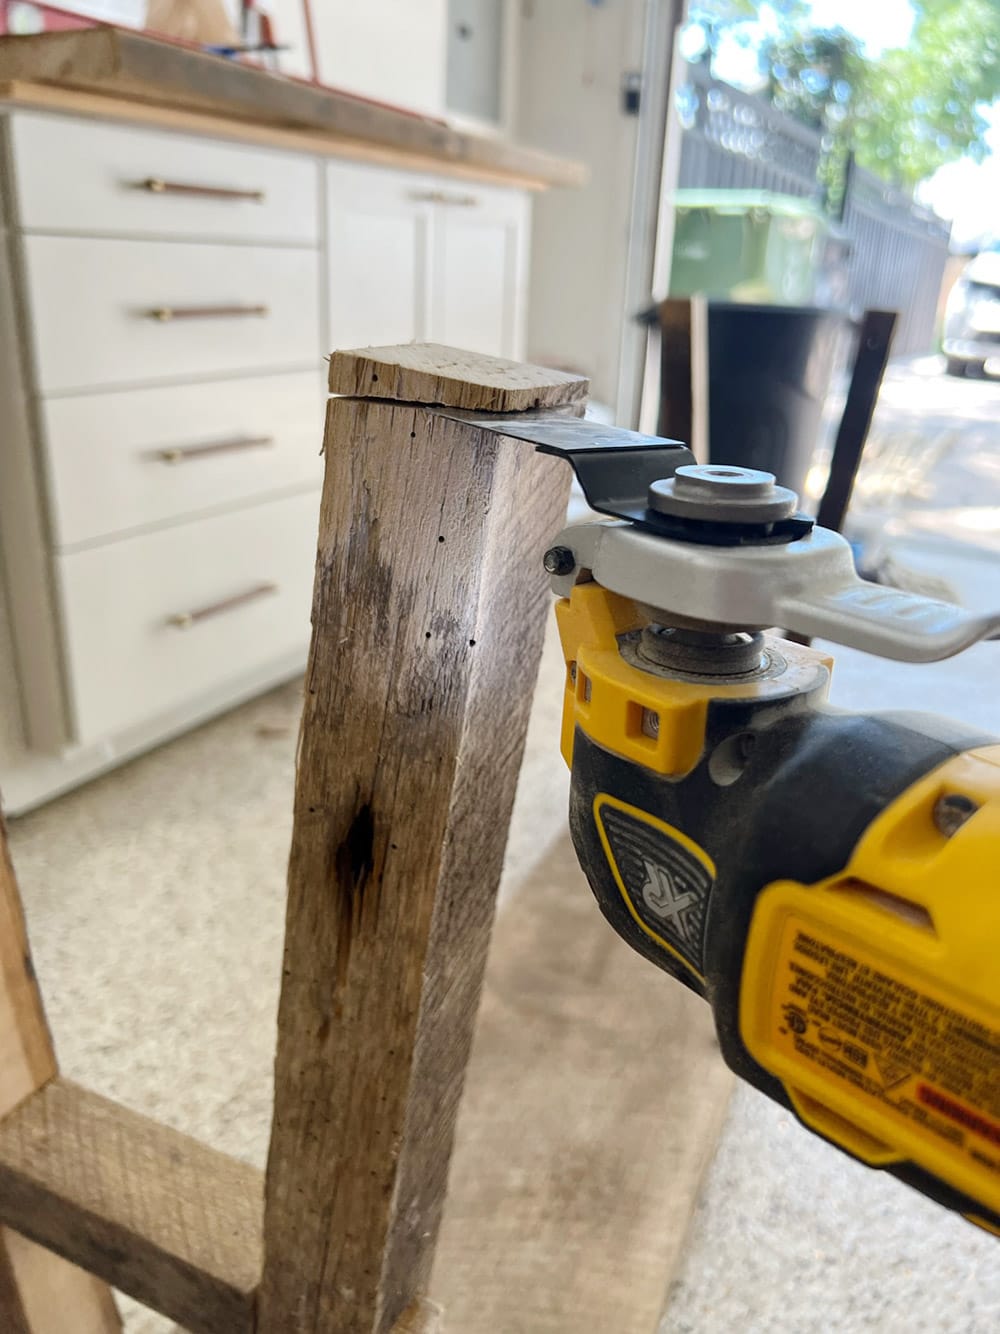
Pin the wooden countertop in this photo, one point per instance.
(118, 74)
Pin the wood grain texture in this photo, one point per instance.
(101, 106)
(27, 1057)
(127, 65)
(594, 1100)
(173, 1223)
(39, 1292)
(427, 620)
(432, 373)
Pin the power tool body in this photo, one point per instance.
(827, 881)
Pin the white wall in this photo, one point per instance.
(390, 50)
(572, 57)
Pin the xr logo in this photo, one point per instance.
(664, 879)
(662, 898)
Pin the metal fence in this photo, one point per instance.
(733, 140)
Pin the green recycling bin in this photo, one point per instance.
(749, 245)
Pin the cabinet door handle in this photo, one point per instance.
(443, 197)
(184, 620)
(157, 186)
(183, 453)
(165, 314)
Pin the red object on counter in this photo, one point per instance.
(53, 18)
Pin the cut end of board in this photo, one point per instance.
(432, 374)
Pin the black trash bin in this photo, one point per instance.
(769, 372)
(770, 369)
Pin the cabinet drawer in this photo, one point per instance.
(107, 312)
(82, 176)
(141, 456)
(151, 622)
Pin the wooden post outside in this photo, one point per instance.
(683, 408)
(428, 615)
(40, 1293)
(870, 362)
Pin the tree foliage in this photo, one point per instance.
(905, 112)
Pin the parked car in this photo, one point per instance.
(972, 316)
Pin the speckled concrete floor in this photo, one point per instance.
(791, 1237)
(154, 899)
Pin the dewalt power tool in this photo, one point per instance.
(829, 882)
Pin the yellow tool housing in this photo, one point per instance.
(792, 864)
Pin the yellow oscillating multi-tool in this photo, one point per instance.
(828, 881)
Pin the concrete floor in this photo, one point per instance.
(137, 887)
(156, 918)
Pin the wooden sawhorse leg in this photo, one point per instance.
(428, 617)
(428, 613)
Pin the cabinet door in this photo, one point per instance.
(379, 239)
(480, 268)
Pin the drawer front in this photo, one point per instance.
(142, 456)
(107, 312)
(152, 622)
(82, 176)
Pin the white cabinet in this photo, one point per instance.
(162, 334)
(413, 257)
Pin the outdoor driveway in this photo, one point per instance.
(928, 492)
(957, 422)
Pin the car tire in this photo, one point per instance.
(955, 366)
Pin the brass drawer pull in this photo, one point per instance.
(164, 314)
(183, 453)
(443, 197)
(156, 186)
(184, 620)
